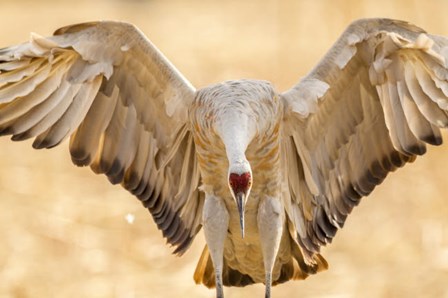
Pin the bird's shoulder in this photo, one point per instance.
(250, 97)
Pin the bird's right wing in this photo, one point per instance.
(124, 107)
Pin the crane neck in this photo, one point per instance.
(236, 133)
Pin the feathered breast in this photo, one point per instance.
(249, 107)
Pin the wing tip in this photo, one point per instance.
(433, 139)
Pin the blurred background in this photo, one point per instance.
(64, 231)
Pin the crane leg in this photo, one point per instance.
(216, 221)
(270, 226)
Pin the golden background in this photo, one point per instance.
(63, 231)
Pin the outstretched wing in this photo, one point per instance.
(370, 106)
(124, 107)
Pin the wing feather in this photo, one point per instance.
(427, 107)
(84, 142)
(13, 90)
(17, 70)
(135, 173)
(71, 117)
(24, 104)
(63, 98)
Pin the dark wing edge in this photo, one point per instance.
(124, 107)
(369, 107)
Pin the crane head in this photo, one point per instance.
(240, 185)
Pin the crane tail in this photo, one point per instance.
(301, 268)
(295, 269)
(204, 273)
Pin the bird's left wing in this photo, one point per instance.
(124, 107)
(369, 107)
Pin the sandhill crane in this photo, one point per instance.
(270, 176)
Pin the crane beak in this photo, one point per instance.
(240, 198)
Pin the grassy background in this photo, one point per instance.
(63, 229)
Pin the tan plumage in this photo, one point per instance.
(373, 109)
(307, 156)
(71, 85)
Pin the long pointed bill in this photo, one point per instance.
(240, 203)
